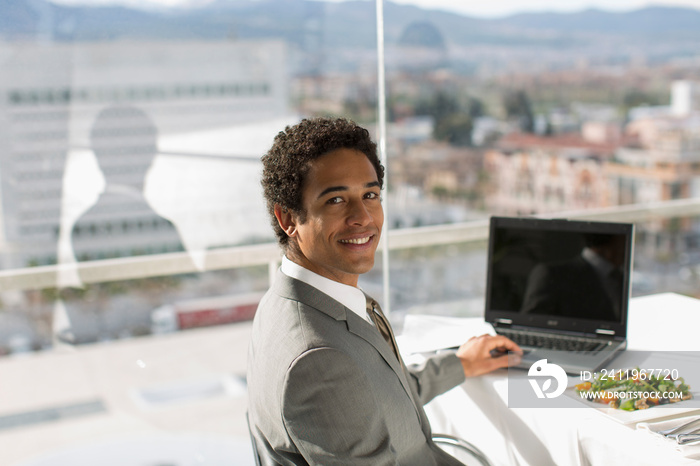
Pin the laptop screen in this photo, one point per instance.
(559, 274)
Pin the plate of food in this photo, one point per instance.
(636, 394)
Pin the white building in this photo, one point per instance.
(50, 95)
(685, 98)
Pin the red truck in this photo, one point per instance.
(204, 312)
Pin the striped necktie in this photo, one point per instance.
(375, 313)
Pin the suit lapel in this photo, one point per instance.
(371, 335)
(310, 296)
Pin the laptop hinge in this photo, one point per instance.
(602, 331)
(504, 321)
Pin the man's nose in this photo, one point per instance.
(359, 213)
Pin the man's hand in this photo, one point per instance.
(486, 353)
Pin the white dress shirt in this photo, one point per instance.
(349, 296)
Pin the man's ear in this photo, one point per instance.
(286, 220)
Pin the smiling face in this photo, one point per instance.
(344, 217)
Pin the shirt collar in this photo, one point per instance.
(349, 296)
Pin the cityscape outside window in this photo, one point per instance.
(134, 241)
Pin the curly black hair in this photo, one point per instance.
(287, 162)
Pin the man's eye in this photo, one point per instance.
(334, 200)
(372, 196)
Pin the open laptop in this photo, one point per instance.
(560, 288)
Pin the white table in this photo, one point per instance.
(478, 411)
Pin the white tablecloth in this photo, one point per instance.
(478, 410)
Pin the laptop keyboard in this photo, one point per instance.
(558, 342)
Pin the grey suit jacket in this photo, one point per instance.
(325, 388)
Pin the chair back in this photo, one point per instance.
(256, 454)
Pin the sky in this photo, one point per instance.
(480, 8)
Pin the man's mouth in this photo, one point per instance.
(356, 240)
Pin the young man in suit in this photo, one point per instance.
(325, 386)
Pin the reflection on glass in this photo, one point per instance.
(587, 285)
(121, 223)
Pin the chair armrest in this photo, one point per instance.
(472, 450)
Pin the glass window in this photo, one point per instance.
(134, 241)
(498, 114)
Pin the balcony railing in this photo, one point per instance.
(37, 278)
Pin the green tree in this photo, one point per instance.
(638, 98)
(439, 105)
(517, 107)
(475, 107)
(455, 128)
(453, 122)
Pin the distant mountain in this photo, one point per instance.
(646, 22)
(39, 19)
(343, 24)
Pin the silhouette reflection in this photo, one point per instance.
(121, 223)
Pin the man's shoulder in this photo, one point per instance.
(286, 327)
(292, 308)
(290, 292)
